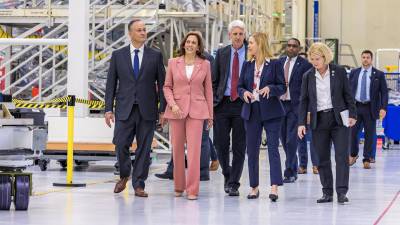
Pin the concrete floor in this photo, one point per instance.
(372, 196)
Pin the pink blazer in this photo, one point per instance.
(194, 97)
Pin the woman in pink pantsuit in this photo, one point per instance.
(188, 91)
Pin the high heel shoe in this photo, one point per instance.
(192, 197)
(252, 196)
(273, 197)
(178, 194)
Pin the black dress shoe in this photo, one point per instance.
(251, 196)
(325, 198)
(226, 186)
(233, 192)
(289, 179)
(342, 198)
(273, 197)
(165, 175)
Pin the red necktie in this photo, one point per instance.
(235, 76)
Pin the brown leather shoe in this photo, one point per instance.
(315, 170)
(121, 185)
(352, 160)
(367, 165)
(141, 193)
(302, 170)
(214, 165)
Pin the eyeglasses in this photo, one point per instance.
(292, 46)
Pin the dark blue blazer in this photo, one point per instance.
(300, 67)
(378, 90)
(126, 90)
(271, 76)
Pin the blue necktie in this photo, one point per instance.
(363, 94)
(136, 64)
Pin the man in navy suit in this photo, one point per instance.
(294, 67)
(134, 74)
(369, 88)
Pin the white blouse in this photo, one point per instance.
(189, 71)
(257, 80)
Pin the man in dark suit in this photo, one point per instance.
(294, 67)
(227, 107)
(369, 88)
(134, 74)
(326, 94)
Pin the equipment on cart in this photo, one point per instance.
(23, 137)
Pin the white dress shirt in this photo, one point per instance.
(292, 63)
(189, 71)
(140, 54)
(323, 84)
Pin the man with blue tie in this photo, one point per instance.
(294, 67)
(135, 73)
(370, 91)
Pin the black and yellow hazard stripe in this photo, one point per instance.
(61, 103)
(92, 104)
(33, 105)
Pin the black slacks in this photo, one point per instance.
(227, 119)
(364, 119)
(328, 131)
(124, 133)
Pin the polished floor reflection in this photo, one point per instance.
(372, 199)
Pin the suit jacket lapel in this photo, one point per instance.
(332, 78)
(227, 59)
(143, 63)
(297, 64)
(128, 58)
(373, 76)
(264, 71)
(182, 68)
(313, 86)
(252, 67)
(196, 68)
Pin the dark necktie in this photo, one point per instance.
(363, 94)
(235, 76)
(136, 64)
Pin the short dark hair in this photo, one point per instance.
(295, 39)
(200, 52)
(132, 22)
(368, 52)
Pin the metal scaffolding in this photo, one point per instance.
(44, 66)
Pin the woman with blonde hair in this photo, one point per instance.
(260, 86)
(325, 93)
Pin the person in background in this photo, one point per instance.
(369, 88)
(294, 67)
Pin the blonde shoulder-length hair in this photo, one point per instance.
(264, 49)
(322, 50)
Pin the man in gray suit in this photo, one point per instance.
(134, 74)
